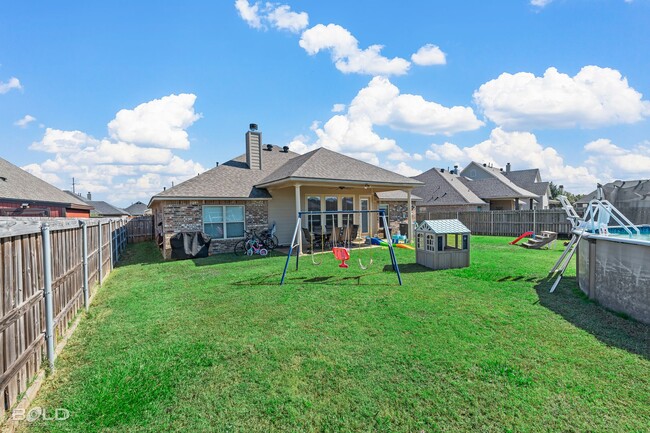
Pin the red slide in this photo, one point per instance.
(521, 237)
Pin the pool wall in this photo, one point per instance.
(616, 273)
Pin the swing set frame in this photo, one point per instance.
(295, 241)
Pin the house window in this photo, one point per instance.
(347, 203)
(313, 205)
(331, 204)
(383, 207)
(224, 222)
(430, 245)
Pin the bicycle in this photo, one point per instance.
(268, 238)
(251, 244)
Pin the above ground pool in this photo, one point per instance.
(614, 269)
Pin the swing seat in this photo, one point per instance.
(341, 254)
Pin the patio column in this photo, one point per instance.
(298, 210)
(410, 215)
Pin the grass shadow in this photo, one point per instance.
(609, 327)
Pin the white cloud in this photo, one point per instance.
(617, 162)
(540, 3)
(118, 170)
(281, 17)
(278, 16)
(403, 168)
(159, 123)
(523, 151)
(13, 83)
(346, 54)
(382, 102)
(337, 108)
(249, 13)
(594, 97)
(58, 141)
(22, 123)
(428, 55)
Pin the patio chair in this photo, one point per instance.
(311, 238)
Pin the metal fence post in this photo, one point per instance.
(49, 307)
(84, 241)
(99, 251)
(111, 237)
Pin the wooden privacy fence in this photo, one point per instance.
(140, 229)
(507, 222)
(49, 268)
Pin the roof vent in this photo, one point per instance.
(252, 127)
(269, 147)
(508, 168)
(285, 149)
(442, 170)
(484, 165)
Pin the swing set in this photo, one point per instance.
(341, 253)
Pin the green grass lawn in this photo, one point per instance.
(217, 345)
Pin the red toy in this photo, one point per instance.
(520, 238)
(341, 254)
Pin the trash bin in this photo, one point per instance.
(190, 245)
(403, 229)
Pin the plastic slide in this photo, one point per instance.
(406, 247)
(377, 241)
(521, 237)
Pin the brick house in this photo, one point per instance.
(269, 184)
(24, 195)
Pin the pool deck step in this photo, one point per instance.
(538, 241)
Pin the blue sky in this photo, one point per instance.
(129, 97)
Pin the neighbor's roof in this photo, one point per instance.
(527, 179)
(622, 191)
(496, 189)
(232, 179)
(396, 195)
(444, 189)
(136, 209)
(325, 164)
(104, 209)
(443, 226)
(17, 184)
(499, 186)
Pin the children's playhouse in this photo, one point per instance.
(442, 244)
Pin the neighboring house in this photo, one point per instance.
(494, 188)
(268, 184)
(395, 204)
(622, 193)
(531, 180)
(23, 194)
(444, 190)
(138, 209)
(101, 209)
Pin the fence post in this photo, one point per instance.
(49, 307)
(99, 250)
(111, 239)
(84, 241)
(534, 221)
(491, 223)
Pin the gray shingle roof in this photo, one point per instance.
(527, 179)
(136, 209)
(326, 164)
(396, 195)
(443, 226)
(232, 179)
(622, 192)
(17, 184)
(103, 209)
(444, 189)
(499, 186)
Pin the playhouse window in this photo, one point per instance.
(452, 242)
(419, 241)
(224, 222)
(430, 244)
(465, 242)
(441, 245)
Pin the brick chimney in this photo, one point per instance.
(254, 148)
